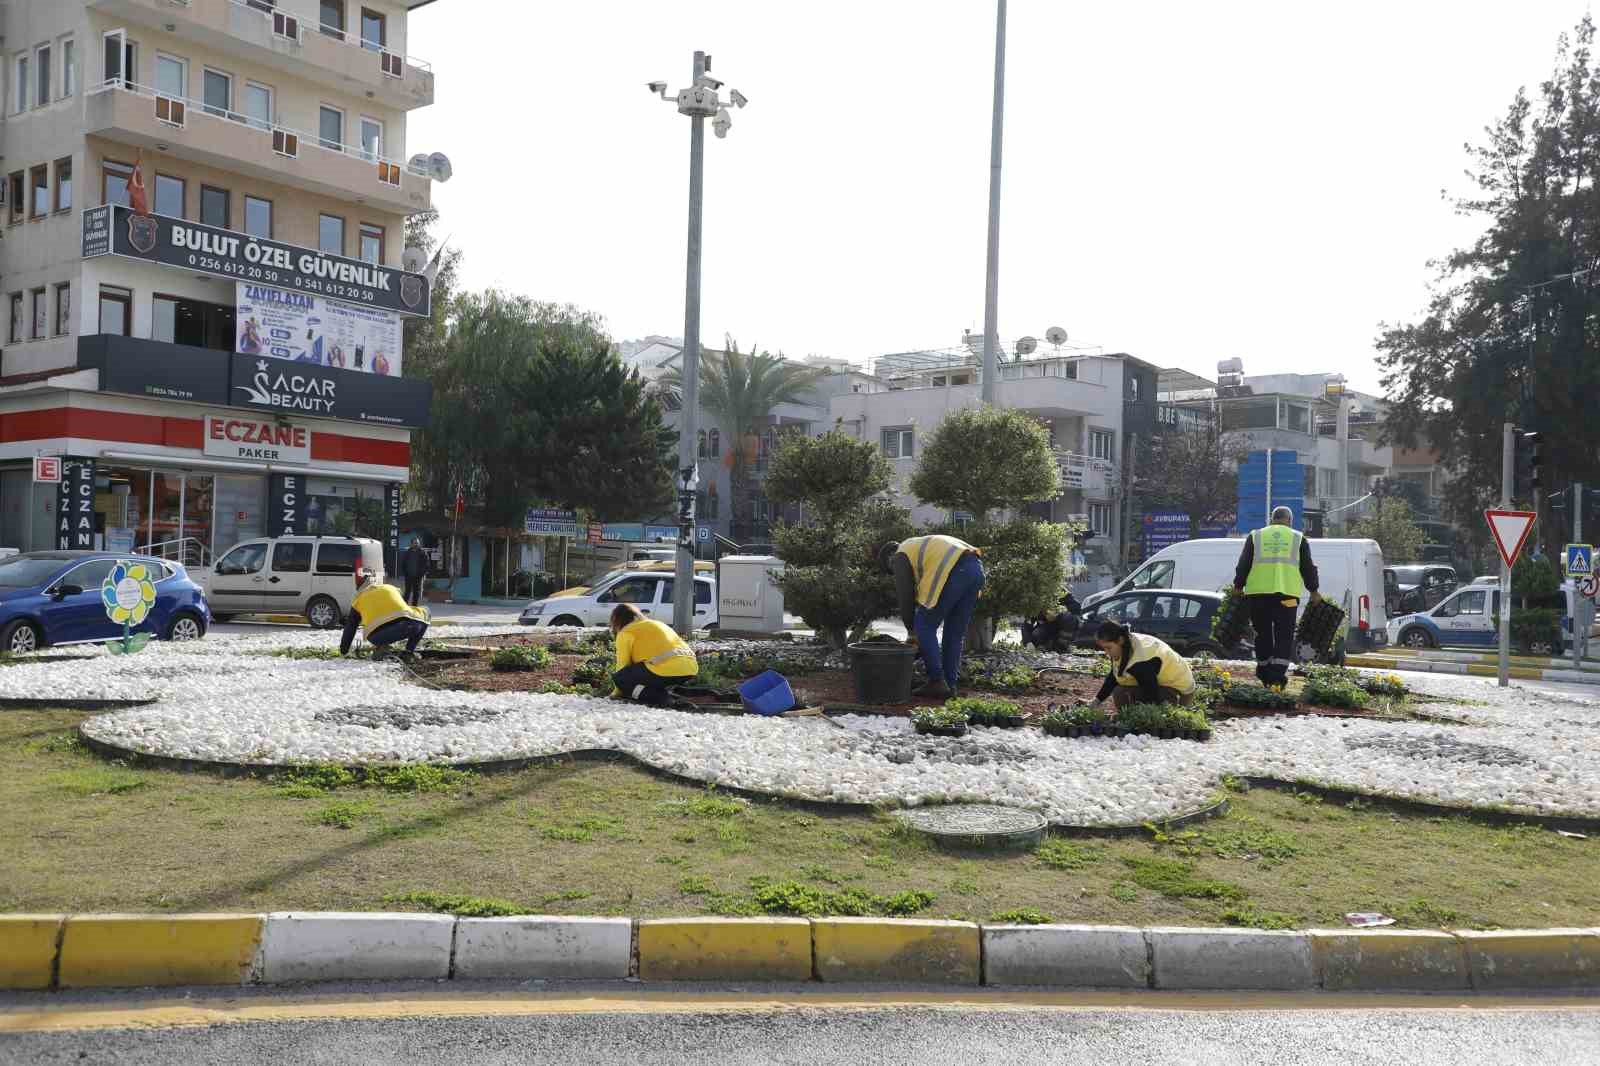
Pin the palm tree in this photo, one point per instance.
(741, 390)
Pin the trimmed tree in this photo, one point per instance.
(831, 577)
(1392, 527)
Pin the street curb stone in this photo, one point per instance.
(1389, 960)
(28, 949)
(1081, 956)
(354, 946)
(544, 948)
(1196, 959)
(725, 949)
(123, 950)
(921, 951)
(1545, 959)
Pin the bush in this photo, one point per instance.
(831, 577)
(519, 657)
(945, 717)
(594, 671)
(1258, 697)
(978, 459)
(1334, 686)
(1390, 686)
(980, 711)
(1541, 625)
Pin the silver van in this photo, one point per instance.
(313, 576)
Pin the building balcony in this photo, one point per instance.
(138, 115)
(279, 38)
(1082, 473)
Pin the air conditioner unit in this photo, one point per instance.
(389, 174)
(286, 26)
(285, 143)
(170, 111)
(392, 64)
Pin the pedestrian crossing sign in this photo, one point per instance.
(1580, 560)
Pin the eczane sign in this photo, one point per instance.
(257, 440)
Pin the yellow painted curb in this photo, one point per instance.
(725, 949)
(151, 949)
(1533, 959)
(876, 949)
(1380, 960)
(1522, 673)
(28, 949)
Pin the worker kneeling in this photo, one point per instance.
(383, 613)
(651, 658)
(1143, 669)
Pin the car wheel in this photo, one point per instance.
(19, 638)
(1416, 637)
(184, 626)
(323, 613)
(1206, 647)
(566, 620)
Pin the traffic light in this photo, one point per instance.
(1535, 460)
(1528, 467)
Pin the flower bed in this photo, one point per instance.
(1159, 720)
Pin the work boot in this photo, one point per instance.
(933, 690)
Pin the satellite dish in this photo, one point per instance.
(1056, 336)
(1027, 345)
(439, 164)
(419, 162)
(414, 260)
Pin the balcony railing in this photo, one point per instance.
(177, 111)
(1083, 472)
(291, 27)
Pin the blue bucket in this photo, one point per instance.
(767, 693)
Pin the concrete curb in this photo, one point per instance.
(1461, 669)
(127, 950)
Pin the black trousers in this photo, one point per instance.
(643, 685)
(1273, 619)
(410, 630)
(414, 591)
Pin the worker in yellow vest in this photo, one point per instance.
(1275, 571)
(1144, 669)
(937, 580)
(383, 613)
(651, 658)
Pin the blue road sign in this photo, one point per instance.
(1580, 560)
(703, 532)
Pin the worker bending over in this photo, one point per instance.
(383, 613)
(651, 658)
(1275, 571)
(938, 580)
(1143, 669)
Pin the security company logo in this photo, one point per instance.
(290, 391)
(410, 290)
(142, 233)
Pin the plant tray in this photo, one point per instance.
(941, 730)
(1076, 732)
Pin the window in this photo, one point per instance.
(330, 234)
(41, 74)
(90, 576)
(1100, 520)
(331, 128)
(63, 184)
(897, 442)
(1472, 602)
(258, 105)
(39, 182)
(116, 310)
(169, 195)
(1101, 442)
(177, 320)
(14, 332)
(291, 558)
(1158, 575)
(338, 558)
(41, 313)
(1330, 482)
(716, 443)
(371, 243)
(1133, 388)
(214, 207)
(263, 5)
(218, 90)
(121, 58)
(371, 138)
(631, 590)
(16, 189)
(1124, 609)
(1297, 417)
(172, 75)
(20, 97)
(258, 217)
(69, 67)
(245, 559)
(374, 30)
(333, 18)
(63, 308)
(114, 179)
(702, 446)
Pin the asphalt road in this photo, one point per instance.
(476, 1025)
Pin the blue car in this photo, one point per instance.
(54, 598)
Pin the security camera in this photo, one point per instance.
(659, 87)
(708, 82)
(722, 123)
(737, 98)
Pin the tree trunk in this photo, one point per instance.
(980, 635)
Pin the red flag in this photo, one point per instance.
(461, 503)
(136, 191)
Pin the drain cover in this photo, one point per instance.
(977, 825)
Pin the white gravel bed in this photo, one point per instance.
(223, 700)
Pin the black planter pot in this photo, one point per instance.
(1202, 734)
(1096, 730)
(1011, 721)
(942, 730)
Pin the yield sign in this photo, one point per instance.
(1510, 530)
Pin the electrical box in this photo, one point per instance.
(747, 599)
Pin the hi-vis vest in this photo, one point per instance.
(1275, 568)
(932, 559)
(1175, 673)
(380, 603)
(656, 646)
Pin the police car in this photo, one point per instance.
(1469, 616)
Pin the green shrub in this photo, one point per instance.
(980, 711)
(594, 671)
(1258, 697)
(1533, 625)
(944, 717)
(519, 657)
(1390, 686)
(1334, 686)
(1022, 916)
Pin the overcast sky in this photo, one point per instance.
(1186, 182)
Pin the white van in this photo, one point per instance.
(1350, 573)
(313, 576)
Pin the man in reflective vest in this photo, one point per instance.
(1275, 571)
(387, 618)
(937, 581)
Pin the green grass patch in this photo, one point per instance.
(1246, 914)
(1059, 854)
(343, 814)
(458, 905)
(1175, 879)
(1021, 916)
(90, 781)
(307, 782)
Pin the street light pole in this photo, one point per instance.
(689, 422)
(991, 295)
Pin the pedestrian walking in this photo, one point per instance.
(413, 568)
(937, 580)
(1275, 572)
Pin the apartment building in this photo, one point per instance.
(228, 364)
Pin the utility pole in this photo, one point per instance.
(1507, 452)
(991, 292)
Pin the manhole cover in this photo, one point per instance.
(977, 825)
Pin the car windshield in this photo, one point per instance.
(1408, 575)
(22, 571)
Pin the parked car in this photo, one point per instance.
(1417, 587)
(649, 590)
(657, 567)
(312, 576)
(1486, 579)
(1467, 617)
(54, 598)
(1181, 617)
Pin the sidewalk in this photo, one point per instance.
(1477, 664)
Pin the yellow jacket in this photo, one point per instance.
(932, 558)
(1174, 673)
(379, 603)
(656, 646)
